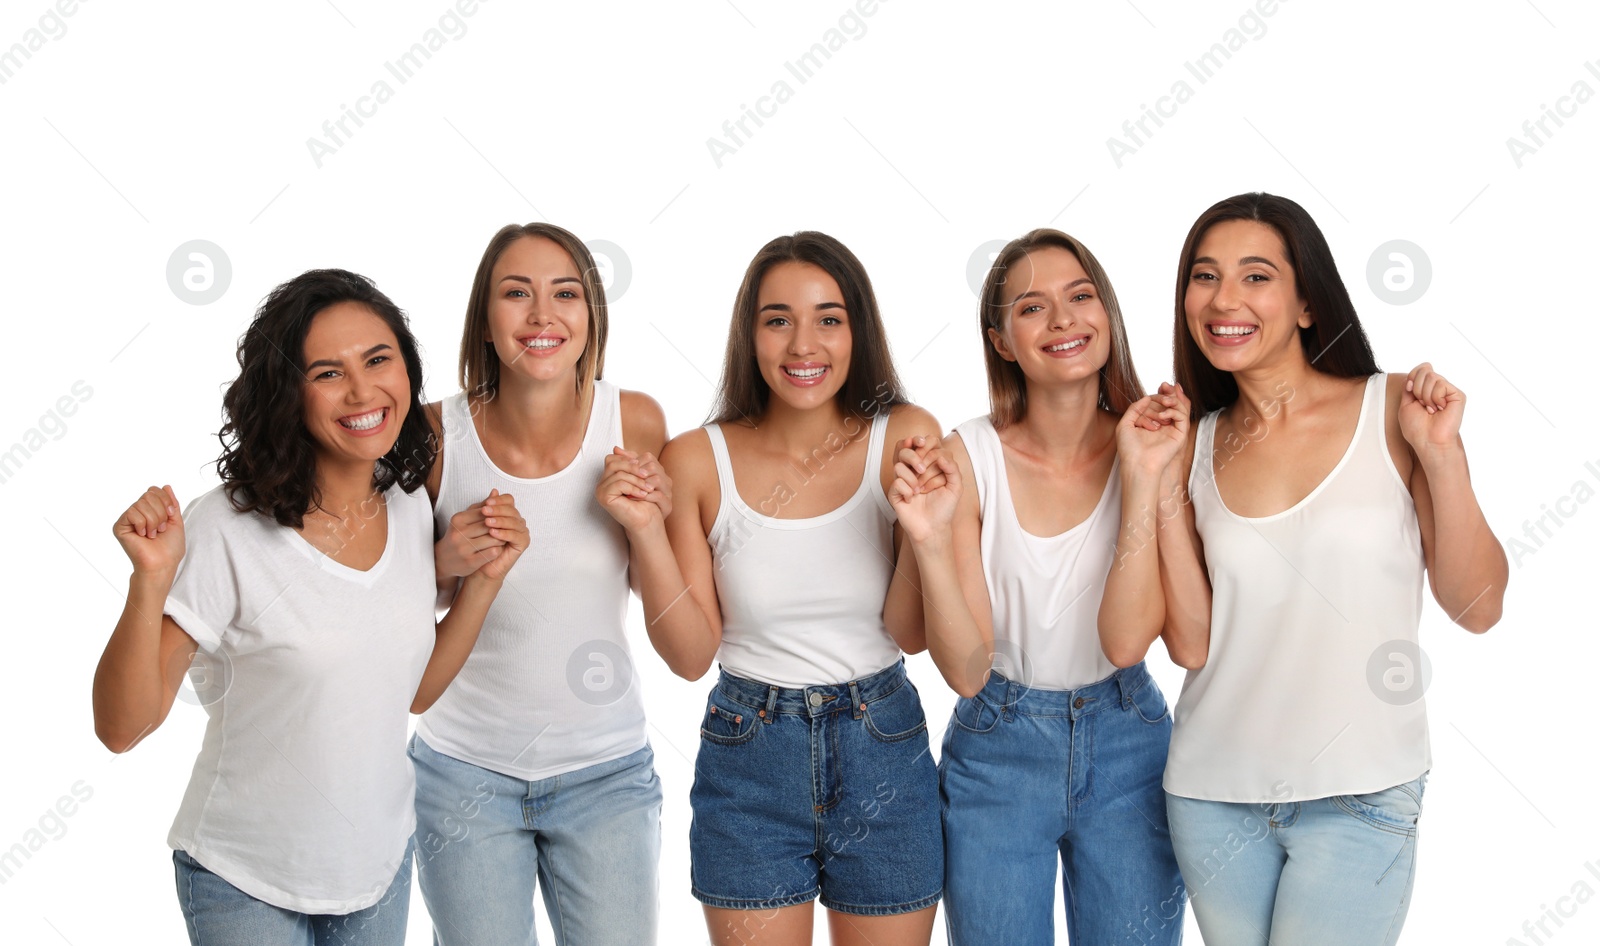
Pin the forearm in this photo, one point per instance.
(1469, 569)
(903, 608)
(677, 626)
(958, 646)
(454, 638)
(1133, 605)
(1186, 587)
(130, 683)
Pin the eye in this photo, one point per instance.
(1082, 296)
(324, 375)
(1257, 277)
(1203, 277)
(514, 293)
(377, 360)
(566, 294)
(832, 320)
(1030, 309)
(777, 321)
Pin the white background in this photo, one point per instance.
(936, 130)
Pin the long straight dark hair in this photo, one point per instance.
(269, 458)
(1334, 343)
(871, 384)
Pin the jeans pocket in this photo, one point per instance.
(896, 716)
(1397, 808)
(975, 715)
(728, 723)
(1150, 704)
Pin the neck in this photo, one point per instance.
(528, 413)
(798, 431)
(1064, 421)
(343, 486)
(1260, 388)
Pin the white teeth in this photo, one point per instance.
(805, 374)
(365, 421)
(1066, 346)
(1233, 329)
(542, 342)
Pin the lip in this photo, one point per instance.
(372, 431)
(1230, 341)
(805, 366)
(1068, 353)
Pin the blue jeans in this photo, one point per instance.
(1029, 776)
(827, 790)
(219, 914)
(1327, 871)
(590, 838)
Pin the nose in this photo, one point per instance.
(1060, 315)
(803, 341)
(1227, 297)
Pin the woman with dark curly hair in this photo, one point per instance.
(304, 585)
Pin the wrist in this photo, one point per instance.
(157, 581)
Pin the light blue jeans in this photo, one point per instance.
(1030, 777)
(216, 912)
(590, 839)
(1331, 871)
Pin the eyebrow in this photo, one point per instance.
(785, 307)
(1037, 292)
(336, 363)
(557, 280)
(1243, 260)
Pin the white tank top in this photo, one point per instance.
(550, 686)
(1312, 687)
(1044, 592)
(802, 599)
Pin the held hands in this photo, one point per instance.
(1430, 410)
(1153, 430)
(151, 532)
(485, 539)
(635, 490)
(925, 490)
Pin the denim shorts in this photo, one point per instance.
(826, 790)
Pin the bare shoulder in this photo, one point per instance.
(433, 412)
(688, 457)
(644, 423)
(909, 420)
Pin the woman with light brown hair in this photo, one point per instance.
(534, 768)
(1037, 564)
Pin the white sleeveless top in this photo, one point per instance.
(1044, 591)
(550, 686)
(1311, 688)
(802, 599)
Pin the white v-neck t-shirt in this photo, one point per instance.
(302, 795)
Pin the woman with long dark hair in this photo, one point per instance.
(304, 586)
(1320, 492)
(813, 776)
(535, 770)
(1036, 566)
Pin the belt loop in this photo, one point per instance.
(856, 706)
(1125, 686)
(772, 702)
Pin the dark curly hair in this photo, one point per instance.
(268, 462)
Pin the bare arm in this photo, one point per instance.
(903, 604)
(682, 612)
(1467, 568)
(1185, 583)
(943, 527)
(144, 662)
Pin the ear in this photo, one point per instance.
(1306, 319)
(1001, 347)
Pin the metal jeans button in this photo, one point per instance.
(816, 700)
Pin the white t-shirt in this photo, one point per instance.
(302, 795)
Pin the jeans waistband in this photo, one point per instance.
(1015, 697)
(818, 700)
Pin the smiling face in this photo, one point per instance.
(1242, 304)
(357, 391)
(802, 334)
(538, 318)
(1054, 324)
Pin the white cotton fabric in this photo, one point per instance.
(802, 599)
(1044, 591)
(302, 793)
(550, 687)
